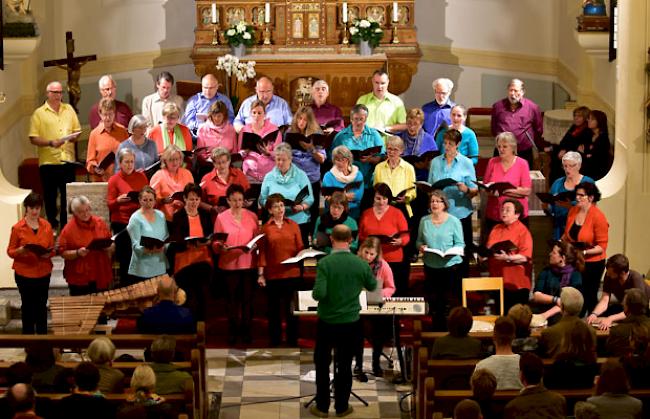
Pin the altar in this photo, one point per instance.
(300, 41)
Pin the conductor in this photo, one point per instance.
(340, 277)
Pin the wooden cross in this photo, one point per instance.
(73, 66)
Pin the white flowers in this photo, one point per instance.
(233, 67)
(353, 30)
(246, 35)
(366, 30)
(231, 32)
(240, 33)
(241, 26)
(364, 23)
(378, 30)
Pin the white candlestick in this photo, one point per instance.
(395, 11)
(214, 13)
(345, 12)
(267, 12)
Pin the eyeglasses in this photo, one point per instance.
(55, 92)
(436, 201)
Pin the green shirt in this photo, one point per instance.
(340, 277)
(383, 113)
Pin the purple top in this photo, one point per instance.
(525, 122)
(518, 175)
(328, 112)
(305, 161)
(435, 114)
(123, 114)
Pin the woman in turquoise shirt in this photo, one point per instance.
(337, 213)
(442, 232)
(453, 165)
(469, 145)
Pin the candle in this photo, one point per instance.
(214, 13)
(267, 12)
(345, 12)
(395, 11)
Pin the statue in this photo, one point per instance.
(18, 19)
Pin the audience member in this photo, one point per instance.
(597, 154)
(152, 105)
(520, 116)
(522, 316)
(85, 401)
(574, 364)
(467, 409)
(457, 344)
(329, 116)
(168, 378)
(145, 403)
(386, 111)
(637, 360)
(585, 410)
(483, 384)
(104, 140)
(504, 364)
(612, 399)
(21, 400)
(47, 375)
(534, 401)
(635, 304)
(165, 316)
(277, 109)
(199, 105)
(101, 352)
(437, 112)
(108, 90)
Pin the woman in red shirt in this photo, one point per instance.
(215, 183)
(192, 258)
(87, 269)
(389, 224)
(171, 178)
(121, 205)
(238, 266)
(282, 241)
(32, 269)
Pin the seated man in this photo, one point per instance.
(635, 304)
(21, 399)
(467, 409)
(571, 302)
(85, 401)
(108, 89)
(196, 111)
(168, 379)
(386, 111)
(534, 400)
(166, 316)
(504, 364)
(277, 109)
(618, 279)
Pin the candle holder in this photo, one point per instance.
(395, 37)
(267, 34)
(345, 40)
(215, 34)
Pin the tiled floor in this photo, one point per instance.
(271, 383)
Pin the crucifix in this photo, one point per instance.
(73, 66)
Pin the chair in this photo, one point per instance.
(484, 284)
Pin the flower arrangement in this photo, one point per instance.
(241, 33)
(236, 71)
(366, 30)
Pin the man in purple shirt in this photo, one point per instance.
(437, 112)
(520, 116)
(108, 89)
(328, 116)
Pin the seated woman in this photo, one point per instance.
(457, 344)
(637, 359)
(564, 270)
(146, 151)
(597, 155)
(574, 365)
(344, 174)
(380, 327)
(170, 131)
(144, 402)
(337, 214)
(147, 222)
(103, 140)
(283, 240)
(522, 316)
(121, 206)
(468, 145)
(513, 265)
(101, 352)
(87, 269)
(171, 178)
(259, 161)
(192, 258)
(215, 183)
(47, 375)
(575, 139)
(571, 163)
(237, 266)
(216, 131)
(611, 396)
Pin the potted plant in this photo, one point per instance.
(367, 34)
(239, 37)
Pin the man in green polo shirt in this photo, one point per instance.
(340, 277)
(386, 111)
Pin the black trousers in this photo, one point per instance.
(195, 280)
(468, 237)
(123, 252)
(240, 288)
(401, 272)
(343, 339)
(75, 290)
(280, 295)
(591, 277)
(442, 288)
(33, 311)
(54, 177)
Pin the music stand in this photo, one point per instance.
(313, 399)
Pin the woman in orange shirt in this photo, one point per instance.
(103, 140)
(170, 131)
(32, 269)
(587, 228)
(169, 179)
(282, 241)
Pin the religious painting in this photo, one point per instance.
(376, 13)
(314, 26)
(300, 91)
(258, 16)
(403, 15)
(206, 16)
(353, 13)
(234, 15)
(297, 26)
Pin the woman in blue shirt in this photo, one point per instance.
(345, 174)
(453, 165)
(442, 232)
(469, 145)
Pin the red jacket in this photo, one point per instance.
(29, 264)
(594, 231)
(121, 183)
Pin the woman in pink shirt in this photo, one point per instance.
(506, 167)
(238, 266)
(169, 179)
(216, 131)
(257, 163)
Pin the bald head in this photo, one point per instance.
(341, 236)
(209, 86)
(264, 89)
(107, 86)
(166, 288)
(21, 397)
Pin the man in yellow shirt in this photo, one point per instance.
(53, 129)
(386, 111)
